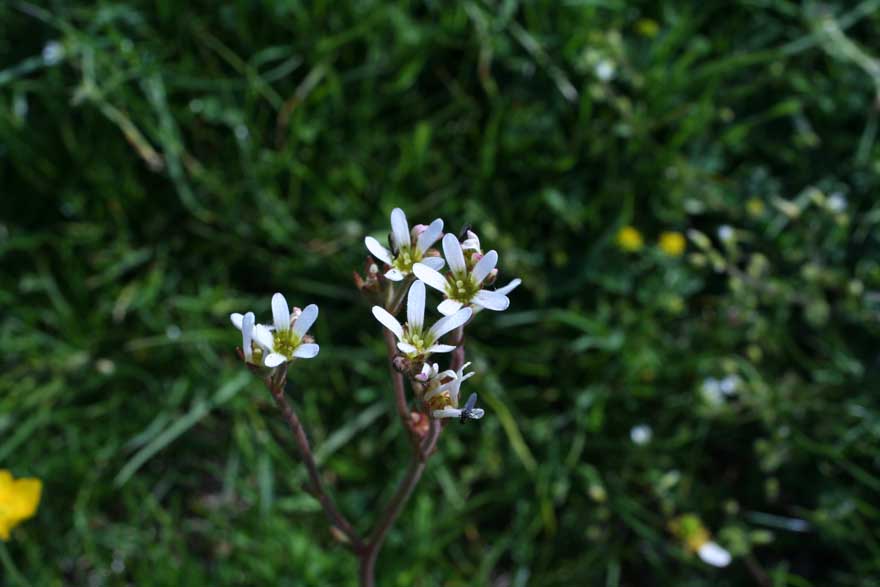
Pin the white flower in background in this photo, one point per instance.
(287, 339)
(837, 203)
(431, 375)
(726, 233)
(605, 70)
(414, 340)
(729, 385)
(711, 391)
(404, 252)
(53, 53)
(713, 554)
(463, 287)
(641, 434)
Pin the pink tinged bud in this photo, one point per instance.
(417, 230)
(476, 257)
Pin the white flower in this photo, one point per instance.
(729, 385)
(837, 203)
(463, 287)
(53, 52)
(245, 323)
(414, 340)
(713, 554)
(404, 253)
(726, 233)
(605, 70)
(431, 375)
(641, 434)
(443, 399)
(711, 392)
(286, 340)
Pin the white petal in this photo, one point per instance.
(264, 337)
(407, 348)
(440, 348)
(388, 321)
(509, 287)
(485, 266)
(274, 359)
(394, 274)
(430, 276)
(447, 413)
(378, 250)
(415, 307)
(247, 336)
(305, 320)
(399, 228)
(491, 300)
(713, 554)
(448, 374)
(449, 307)
(236, 319)
(280, 313)
(453, 253)
(306, 351)
(449, 323)
(477, 413)
(430, 235)
(472, 241)
(435, 263)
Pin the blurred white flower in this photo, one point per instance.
(729, 385)
(711, 391)
(286, 339)
(462, 287)
(404, 253)
(641, 434)
(414, 340)
(837, 203)
(605, 70)
(713, 554)
(726, 233)
(53, 52)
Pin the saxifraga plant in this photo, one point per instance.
(434, 398)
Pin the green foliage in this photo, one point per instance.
(171, 162)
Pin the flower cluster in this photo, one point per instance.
(287, 339)
(410, 264)
(465, 287)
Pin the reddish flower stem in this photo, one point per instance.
(337, 520)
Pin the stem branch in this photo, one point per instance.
(337, 520)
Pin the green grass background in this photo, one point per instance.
(169, 162)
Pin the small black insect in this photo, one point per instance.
(469, 412)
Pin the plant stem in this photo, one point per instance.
(337, 520)
(421, 453)
(399, 387)
(417, 465)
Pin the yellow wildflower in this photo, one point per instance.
(755, 207)
(672, 243)
(18, 501)
(648, 27)
(629, 239)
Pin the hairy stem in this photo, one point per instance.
(337, 520)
